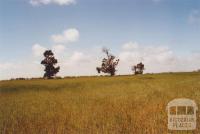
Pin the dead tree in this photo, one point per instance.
(108, 64)
(49, 63)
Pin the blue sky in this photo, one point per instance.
(170, 24)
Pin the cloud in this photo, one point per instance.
(4, 66)
(79, 57)
(74, 64)
(78, 63)
(134, 52)
(38, 50)
(155, 58)
(25, 69)
(194, 17)
(69, 35)
(58, 49)
(30, 67)
(57, 2)
(130, 46)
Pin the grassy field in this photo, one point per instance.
(96, 105)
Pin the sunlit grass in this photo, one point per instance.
(104, 105)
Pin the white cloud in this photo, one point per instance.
(134, 52)
(4, 66)
(46, 2)
(69, 35)
(194, 17)
(78, 58)
(38, 50)
(77, 63)
(58, 49)
(155, 58)
(25, 69)
(130, 46)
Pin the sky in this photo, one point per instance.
(163, 34)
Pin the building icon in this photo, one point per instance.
(182, 114)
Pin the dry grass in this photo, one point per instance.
(97, 105)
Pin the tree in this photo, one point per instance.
(49, 63)
(108, 65)
(138, 69)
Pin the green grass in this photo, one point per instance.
(96, 105)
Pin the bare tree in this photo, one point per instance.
(108, 64)
(49, 63)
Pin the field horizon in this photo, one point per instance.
(100, 75)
